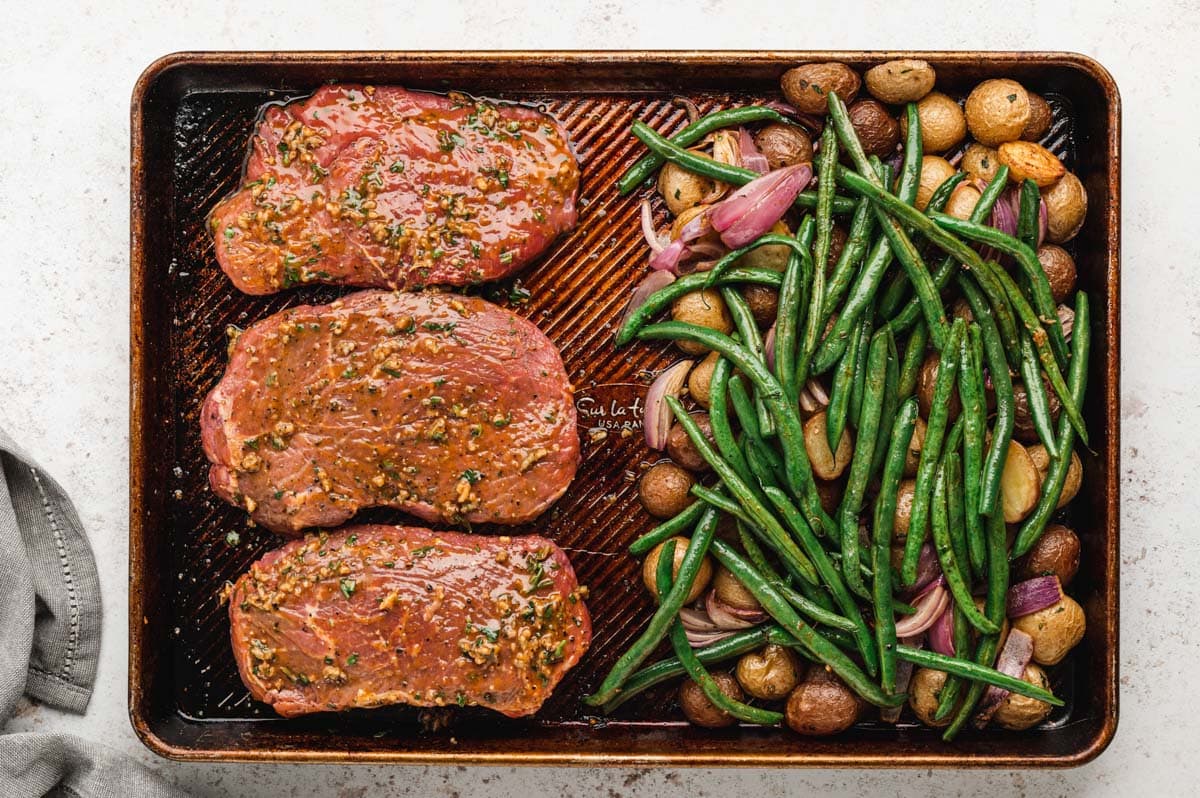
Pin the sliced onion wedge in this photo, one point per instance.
(941, 634)
(652, 282)
(705, 639)
(697, 620)
(928, 569)
(1026, 598)
(754, 208)
(1014, 657)
(727, 617)
(929, 608)
(657, 422)
(668, 259)
(752, 157)
(904, 672)
(648, 231)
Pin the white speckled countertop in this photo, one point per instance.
(64, 143)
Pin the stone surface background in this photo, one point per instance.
(69, 69)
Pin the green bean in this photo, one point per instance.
(858, 385)
(727, 261)
(661, 299)
(1002, 429)
(1035, 395)
(914, 155)
(812, 608)
(1039, 286)
(758, 512)
(979, 674)
(959, 587)
(866, 435)
(827, 159)
(914, 358)
(891, 400)
(993, 609)
(1027, 220)
(839, 394)
(834, 581)
(764, 465)
(955, 502)
(743, 407)
(664, 617)
(694, 132)
(672, 526)
(952, 687)
(970, 388)
(796, 278)
(815, 643)
(747, 329)
(720, 501)
(1033, 527)
(696, 672)
(931, 452)
(721, 651)
(881, 549)
(718, 418)
(715, 170)
(852, 254)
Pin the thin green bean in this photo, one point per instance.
(672, 526)
(914, 358)
(1035, 396)
(839, 394)
(980, 674)
(951, 568)
(796, 279)
(971, 390)
(718, 418)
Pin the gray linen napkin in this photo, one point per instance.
(50, 641)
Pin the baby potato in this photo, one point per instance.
(821, 705)
(681, 189)
(702, 712)
(650, 569)
(826, 464)
(1073, 480)
(731, 591)
(877, 129)
(905, 80)
(980, 162)
(763, 301)
(927, 383)
(680, 446)
(664, 489)
(704, 308)
(771, 256)
(784, 145)
(1055, 630)
(1020, 484)
(1056, 552)
(805, 86)
(1029, 161)
(924, 692)
(769, 674)
(903, 516)
(1023, 427)
(1060, 270)
(963, 200)
(829, 493)
(1040, 118)
(912, 458)
(943, 125)
(1066, 208)
(700, 378)
(997, 111)
(1018, 712)
(934, 171)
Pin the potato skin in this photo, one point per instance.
(876, 127)
(681, 189)
(923, 696)
(769, 674)
(934, 171)
(1023, 428)
(1066, 208)
(902, 81)
(1018, 712)
(997, 111)
(1029, 161)
(770, 256)
(680, 446)
(903, 515)
(1073, 480)
(912, 458)
(821, 705)
(664, 488)
(1040, 118)
(700, 379)
(650, 569)
(763, 301)
(980, 162)
(963, 200)
(943, 125)
(1060, 270)
(805, 86)
(1020, 484)
(825, 463)
(1055, 630)
(704, 308)
(702, 712)
(1056, 552)
(926, 383)
(732, 592)
(784, 145)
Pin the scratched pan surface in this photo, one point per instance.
(192, 116)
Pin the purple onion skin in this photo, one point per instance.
(1032, 595)
(657, 421)
(754, 208)
(652, 282)
(1014, 657)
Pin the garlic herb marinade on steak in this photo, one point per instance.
(376, 615)
(390, 188)
(446, 407)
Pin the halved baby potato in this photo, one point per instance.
(1020, 484)
(826, 464)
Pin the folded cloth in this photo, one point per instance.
(50, 641)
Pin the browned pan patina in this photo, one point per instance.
(192, 115)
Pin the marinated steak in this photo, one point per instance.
(444, 406)
(384, 187)
(375, 615)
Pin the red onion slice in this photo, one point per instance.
(1026, 598)
(697, 620)
(754, 209)
(648, 231)
(928, 569)
(652, 282)
(657, 422)
(1066, 319)
(1004, 217)
(904, 672)
(704, 639)
(752, 158)
(723, 616)
(1043, 221)
(812, 122)
(941, 634)
(668, 259)
(696, 227)
(929, 608)
(769, 347)
(1014, 657)
(813, 396)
